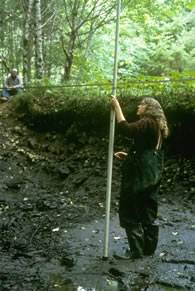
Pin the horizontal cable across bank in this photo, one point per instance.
(110, 84)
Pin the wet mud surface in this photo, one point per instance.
(52, 197)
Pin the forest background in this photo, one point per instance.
(65, 52)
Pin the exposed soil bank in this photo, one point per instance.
(52, 196)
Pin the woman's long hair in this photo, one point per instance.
(155, 110)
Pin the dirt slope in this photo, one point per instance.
(52, 196)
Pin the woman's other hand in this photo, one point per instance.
(120, 155)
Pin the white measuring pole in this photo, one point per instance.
(111, 137)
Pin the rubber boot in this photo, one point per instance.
(150, 239)
(135, 236)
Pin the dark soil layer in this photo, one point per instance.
(52, 197)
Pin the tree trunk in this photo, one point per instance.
(67, 67)
(38, 41)
(83, 18)
(26, 42)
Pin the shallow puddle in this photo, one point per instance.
(100, 285)
(103, 284)
(110, 285)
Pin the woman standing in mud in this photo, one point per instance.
(141, 174)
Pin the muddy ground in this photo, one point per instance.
(52, 197)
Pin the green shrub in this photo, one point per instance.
(88, 108)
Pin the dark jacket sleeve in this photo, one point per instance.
(138, 128)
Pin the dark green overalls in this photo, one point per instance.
(141, 175)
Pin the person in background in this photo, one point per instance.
(13, 84)
(141, 175)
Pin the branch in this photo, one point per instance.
(52, 16)
(66, 13)
(63, 46)
(5, 64)
(23, 5)
(87, 18)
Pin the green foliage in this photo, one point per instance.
(58, 108)
(157, 45)
(155, 37)
(23, 103)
